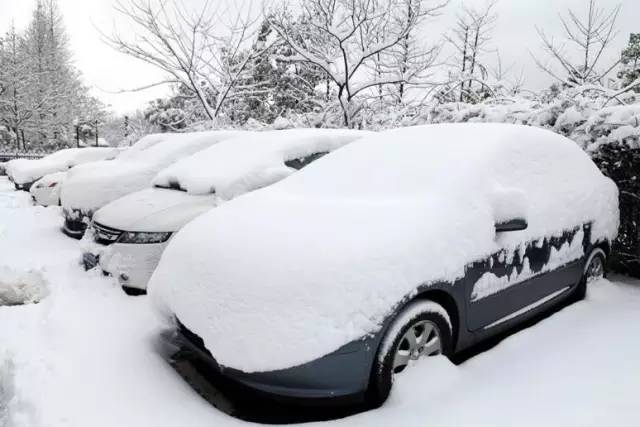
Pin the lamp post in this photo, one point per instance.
(77, 126)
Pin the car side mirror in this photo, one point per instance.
(515, 224)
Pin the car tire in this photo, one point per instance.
(422, 317)
(594, 268)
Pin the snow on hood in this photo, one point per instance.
(250, 161)
(322, 258)
(27, 171)
(90, 187)
(153, 209)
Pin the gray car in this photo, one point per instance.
(454, 234)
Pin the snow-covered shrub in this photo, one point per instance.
(621, 163)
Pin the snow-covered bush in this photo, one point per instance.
(621, 163)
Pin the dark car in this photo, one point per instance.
(415, 242)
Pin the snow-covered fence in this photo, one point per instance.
(6, 156)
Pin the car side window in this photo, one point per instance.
(301, 162)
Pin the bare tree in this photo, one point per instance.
(576, 60)
(359, 44)
(204, 51)
(470, 37)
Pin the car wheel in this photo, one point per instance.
(422, 329)
(594, 269)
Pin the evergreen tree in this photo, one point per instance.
(630, 62)
(276, 84)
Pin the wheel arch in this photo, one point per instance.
(448, 302)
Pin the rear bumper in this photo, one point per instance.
(74, 225)
(338, 378)
(26, 186)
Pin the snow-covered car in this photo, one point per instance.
(136, 228)
(413, 242)
(23, 173)
(46, 190)
(89, 187)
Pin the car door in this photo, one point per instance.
(513, 281)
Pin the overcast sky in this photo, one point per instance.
(107, 71)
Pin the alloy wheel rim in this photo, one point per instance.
(422, 339)
(595, 271)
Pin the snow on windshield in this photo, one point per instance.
(334, 248)
(251, 161)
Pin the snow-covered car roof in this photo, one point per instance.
(88, 188)
(27, 171)
(324, 256)
(251, 161)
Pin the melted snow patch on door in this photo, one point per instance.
(21, 287)
(490, 284)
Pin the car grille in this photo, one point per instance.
(105, 235)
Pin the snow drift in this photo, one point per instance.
(334, 248)
(250, 161)
(23, 171)
(17, 287)
(88, 188)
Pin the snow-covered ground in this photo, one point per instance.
(85, 355)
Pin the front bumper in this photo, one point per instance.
(340, 377)
(131, 264)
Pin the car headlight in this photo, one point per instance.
(142, 238)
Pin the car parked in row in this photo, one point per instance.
(89, 187)
(24, 172)
(136, 228)
(409, 243)
(46, 190)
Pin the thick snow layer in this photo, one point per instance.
(91, 187)
(25, 171)
(85, 356)
(251, 161)
(154, 209)
(334, 248)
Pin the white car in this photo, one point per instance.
(46, 190)
(89, 187)
(137, 227)
(23, 173)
